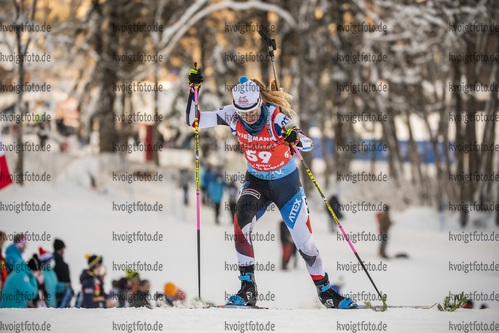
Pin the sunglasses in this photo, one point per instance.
(250, 114)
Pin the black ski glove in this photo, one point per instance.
(291, 138)
(195, 78)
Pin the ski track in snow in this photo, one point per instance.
(230, 320)
(84, 219)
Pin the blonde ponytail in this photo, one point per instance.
(278, 98)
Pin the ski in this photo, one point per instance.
(245, 307)
(360, 307)
(229, 306)
(380, 307)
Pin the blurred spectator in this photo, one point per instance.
(384, 225)
(441, 213)
(43, 132)
(20, 286)
(185, 177)
(134, 278)
(202, 187)
(92, 286)
(172, 296)
(205, 179)
(42, 297)
(114, 292)
(335, 206)
(3, 264)
(141, 297)
(468, 304)
(14, 252)
(122, 292)
(186, 143)
(232, 190)
(61, 127)
(216, 191)
(52, 285)
(82, 137)
(61, 269)
(288, 246)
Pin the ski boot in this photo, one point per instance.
(248, 293)
(330, 298)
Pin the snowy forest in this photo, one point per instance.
(416, 57)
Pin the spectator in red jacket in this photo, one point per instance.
(3, 265)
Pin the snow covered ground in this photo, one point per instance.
(241, 321)
(84, 218)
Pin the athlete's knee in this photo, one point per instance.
(242, 219)
(242, 238)
(309, 252)
(305, 243)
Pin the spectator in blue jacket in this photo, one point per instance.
(52, 284)
(205, 177)
(216, 191)
(21, 286)
(14, 252)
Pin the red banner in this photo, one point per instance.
(4, 170)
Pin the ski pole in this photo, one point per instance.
(196, 140)
(272, 46)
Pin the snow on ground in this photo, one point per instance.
(241, 321)
(83, 217)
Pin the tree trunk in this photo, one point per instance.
(106, 44)
(155, 133)
(19, 110)
(264, 50)
(414, 154)
(489, 133)
(303, 96)
(459, 156)
(390, 140)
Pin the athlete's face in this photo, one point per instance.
(252, 116)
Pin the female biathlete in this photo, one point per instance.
(267, 137)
